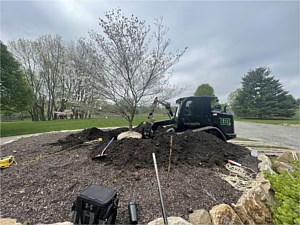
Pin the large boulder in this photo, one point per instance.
(225, 215)
(251, 210)
(200, 217)
(172, 220)
(284, 161)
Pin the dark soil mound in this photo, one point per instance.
(191, 148)
(195, 149)
(93, 133)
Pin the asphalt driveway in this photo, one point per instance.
(277, 135)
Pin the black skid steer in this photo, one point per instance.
(196, 114)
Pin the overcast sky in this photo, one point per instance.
(224, 38)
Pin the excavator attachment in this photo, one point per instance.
(167, 105)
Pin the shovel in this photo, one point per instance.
(102, 155)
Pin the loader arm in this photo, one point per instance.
(165, 104)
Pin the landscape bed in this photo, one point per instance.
(54, 168)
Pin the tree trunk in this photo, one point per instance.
(42, 108)
(130, 123)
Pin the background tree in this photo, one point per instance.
(132, 63)
(262, 96)
(81, 92)
(26, 53)
(204, 90)
(232, 97)
(59, 74)
(51, 58)
(16, 94)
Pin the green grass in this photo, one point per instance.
(295, 120)
(267, 146)
(273, 159)
(29, 127)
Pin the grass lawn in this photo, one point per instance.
(29, 127)
(295, 120)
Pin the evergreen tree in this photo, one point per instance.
(204, 90)
(16, 94)
(231, 98)
(262, 96)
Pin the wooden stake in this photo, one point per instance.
(170, 155)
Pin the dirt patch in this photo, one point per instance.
(53, 168)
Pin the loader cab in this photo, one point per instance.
(193, 112)
(204, 112)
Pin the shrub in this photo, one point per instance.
(287, 195)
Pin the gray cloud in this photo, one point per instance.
(224, 38)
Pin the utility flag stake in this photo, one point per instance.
(169, 167)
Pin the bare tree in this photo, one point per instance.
(58, 75)
(82, 95)
(51, 59)
(132, 63)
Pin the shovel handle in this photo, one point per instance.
(107, 146)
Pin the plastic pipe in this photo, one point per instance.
(233, 162)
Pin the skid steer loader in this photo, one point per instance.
(196, 114)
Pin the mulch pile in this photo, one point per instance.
(53, 168)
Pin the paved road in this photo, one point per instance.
(278, 135)
(5, 140)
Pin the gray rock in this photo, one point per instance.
(200, 217)
(171, 221)
(9, 221)
(262, 188)
(62, 223)
(251, 210)
(224, 214)
(265, 164)
(284, 161)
